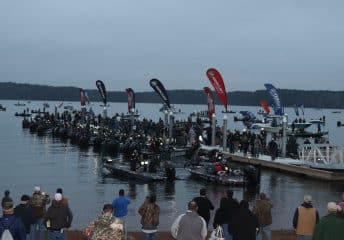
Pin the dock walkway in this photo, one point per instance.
(293, 166)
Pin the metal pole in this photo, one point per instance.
(132, 119)
(170, 129)
(213, 129)
(104, 112)
(284, 135)
(224, 140)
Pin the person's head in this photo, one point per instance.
(59, 190)
(202, 192)
(7, 193)
(121, 192)
(343, 196)
(243, 204)
(7, 207)
(37, 189)
(332, 207)
(152, 198)
(262, 196)
(230, 193)
(307, 199)
(192, 206)
(24, 198)
(107, 209)
(58, 197)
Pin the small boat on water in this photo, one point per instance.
(233, 178)
(340, 124)
(23, 114)
(18, 104)
(118, 167)
(2, 108)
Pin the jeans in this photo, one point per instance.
(38, 228)
(264, 232)
(123, 219)
(149, 236)
(226, 234)
(303, 237)
(56, 235)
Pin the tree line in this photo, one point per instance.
(289, 97)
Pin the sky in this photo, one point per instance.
(293, 44)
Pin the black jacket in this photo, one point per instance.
(25, 213)
(204, 207)
(244, 225)
(59, 215)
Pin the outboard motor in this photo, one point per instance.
(170, 172)
(252, 175)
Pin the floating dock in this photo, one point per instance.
(293, 166)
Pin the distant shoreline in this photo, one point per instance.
(289, 97)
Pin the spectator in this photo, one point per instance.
(204, 205)
(273, 149)
(330, 227)
(57, 219)
(189, 225)
(64, 199)
(341, 204)
(149, 212)
(11, 223)
(38, 203)
(120, 208)
(106, 227)
(24, 212)
(244, 224)
(262, 210)
(305, 218)
(223, 216)
(6, 198)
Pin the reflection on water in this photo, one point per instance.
(28, 160)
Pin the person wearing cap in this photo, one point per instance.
(331, 226)
(305, 218)
(38, 203)
(64, 199)
(57, 218)
(341, 203)
(204, 205)
(11, 222)
(149, 212)
(189, 225)
(120, 208)
(24, 212)
(6, 198)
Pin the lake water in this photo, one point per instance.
(28, 160)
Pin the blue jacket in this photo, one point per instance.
(120, 206)
(14, 225)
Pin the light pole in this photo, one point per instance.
(213, 129)
(284, 134)
(170, 129)
(224, 140)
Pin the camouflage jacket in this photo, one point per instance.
(38, 204)
(105, 228)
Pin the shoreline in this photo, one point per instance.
(281, 234)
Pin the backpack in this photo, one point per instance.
(6, 234)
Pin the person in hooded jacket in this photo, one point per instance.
(57, 218)
(11, 222)
(244, 224)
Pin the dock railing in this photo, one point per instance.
(322, 154)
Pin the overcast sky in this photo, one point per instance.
(296, 44)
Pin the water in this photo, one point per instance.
(28, 160)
